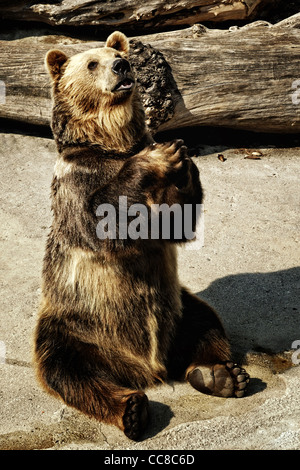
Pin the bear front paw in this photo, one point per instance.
(170, 154)
(172, 162)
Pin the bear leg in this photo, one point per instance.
(75, 372)
(201, 352)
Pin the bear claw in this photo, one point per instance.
(136, 416)
(221, 380)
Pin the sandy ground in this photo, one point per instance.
(248, 269)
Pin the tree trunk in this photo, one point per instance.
(243, 78)
(127, 14)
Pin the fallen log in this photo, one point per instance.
(243, 78)
(127, 13)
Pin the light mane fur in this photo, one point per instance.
(95, 114)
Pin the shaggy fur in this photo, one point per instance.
(113, 317)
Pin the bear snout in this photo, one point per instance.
(120, 67)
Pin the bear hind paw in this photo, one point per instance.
(136, 416)
(221, 380)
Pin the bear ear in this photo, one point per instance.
(118, 41)
(54, 61)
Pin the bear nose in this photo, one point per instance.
(120, 66)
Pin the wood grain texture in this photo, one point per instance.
(239, 78)
(127, 13)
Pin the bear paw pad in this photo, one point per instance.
(136, 416)
(220, 380)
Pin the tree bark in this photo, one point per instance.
(127, 13)
(243, 78)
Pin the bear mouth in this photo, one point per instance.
(124, 85)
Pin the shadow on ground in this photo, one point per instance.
(160, 416)
(260, 311)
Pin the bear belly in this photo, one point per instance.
(128, 310)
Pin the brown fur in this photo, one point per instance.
(113, 317)
(80, 116)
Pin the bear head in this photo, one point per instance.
(95, 96)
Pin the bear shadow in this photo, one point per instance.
(160, 417)
(260, 311)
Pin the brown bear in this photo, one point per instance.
(114, 318)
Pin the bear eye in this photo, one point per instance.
(93, 65)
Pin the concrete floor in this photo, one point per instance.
(248, 269)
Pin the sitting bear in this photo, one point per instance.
(114, 318)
